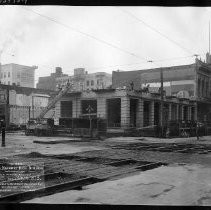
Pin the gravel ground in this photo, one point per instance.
(185, 181)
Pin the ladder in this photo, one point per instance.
(56, 99)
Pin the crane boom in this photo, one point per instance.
(56, 99)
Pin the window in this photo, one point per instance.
(92, 82)
(8, 74)
(4, 74)
(18, 83)
(1, 75)
(66, 109)
(18, 75)
(8, 82)
(87, 83)
(89, 106)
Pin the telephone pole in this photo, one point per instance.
(209, 37)
(161, 102)
(162, 97)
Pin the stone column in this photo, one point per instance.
(140, 114)
(125, 112)
(151, 113)
(76, 107)
(177, 111)
(182, 112)
(57, 112)
(189, 112)
(101, 108)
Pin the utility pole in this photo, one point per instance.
(161, 104)
(162, 97)
(209, 37)
(5, 122)
(90, 109)
(32, 106)
(29, 112)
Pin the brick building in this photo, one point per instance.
(18, 104)
(186, 81)
(49, 82)
(84, 81)
(19, 75)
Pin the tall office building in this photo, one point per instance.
(19, 75)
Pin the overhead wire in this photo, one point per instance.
(129, 64)
(155, 30)
(85, 34)
(114, 46)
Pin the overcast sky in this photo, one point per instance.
(102, 38)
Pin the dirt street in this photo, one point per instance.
(133, 170)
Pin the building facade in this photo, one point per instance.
(84, 81)
(19, 104)
(186, 81)
(49, 82)
(124, 108)
(19, 75)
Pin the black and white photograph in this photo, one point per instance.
(105, 105)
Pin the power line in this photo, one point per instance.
(127, 64)
(86, 34)
(154, 29)
(109, 44)
(175, 58)
(131, 64)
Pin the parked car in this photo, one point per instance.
(13, 127)
(22, 126)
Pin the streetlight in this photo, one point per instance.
(7, 92)
(4, 124)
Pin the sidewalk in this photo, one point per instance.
(167, 185)
(190, 140)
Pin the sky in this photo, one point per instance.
(102, 39)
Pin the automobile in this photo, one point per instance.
(13, 127)
(22, 126)
(39, 127)
(30, 127)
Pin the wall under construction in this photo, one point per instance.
(124, 108)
